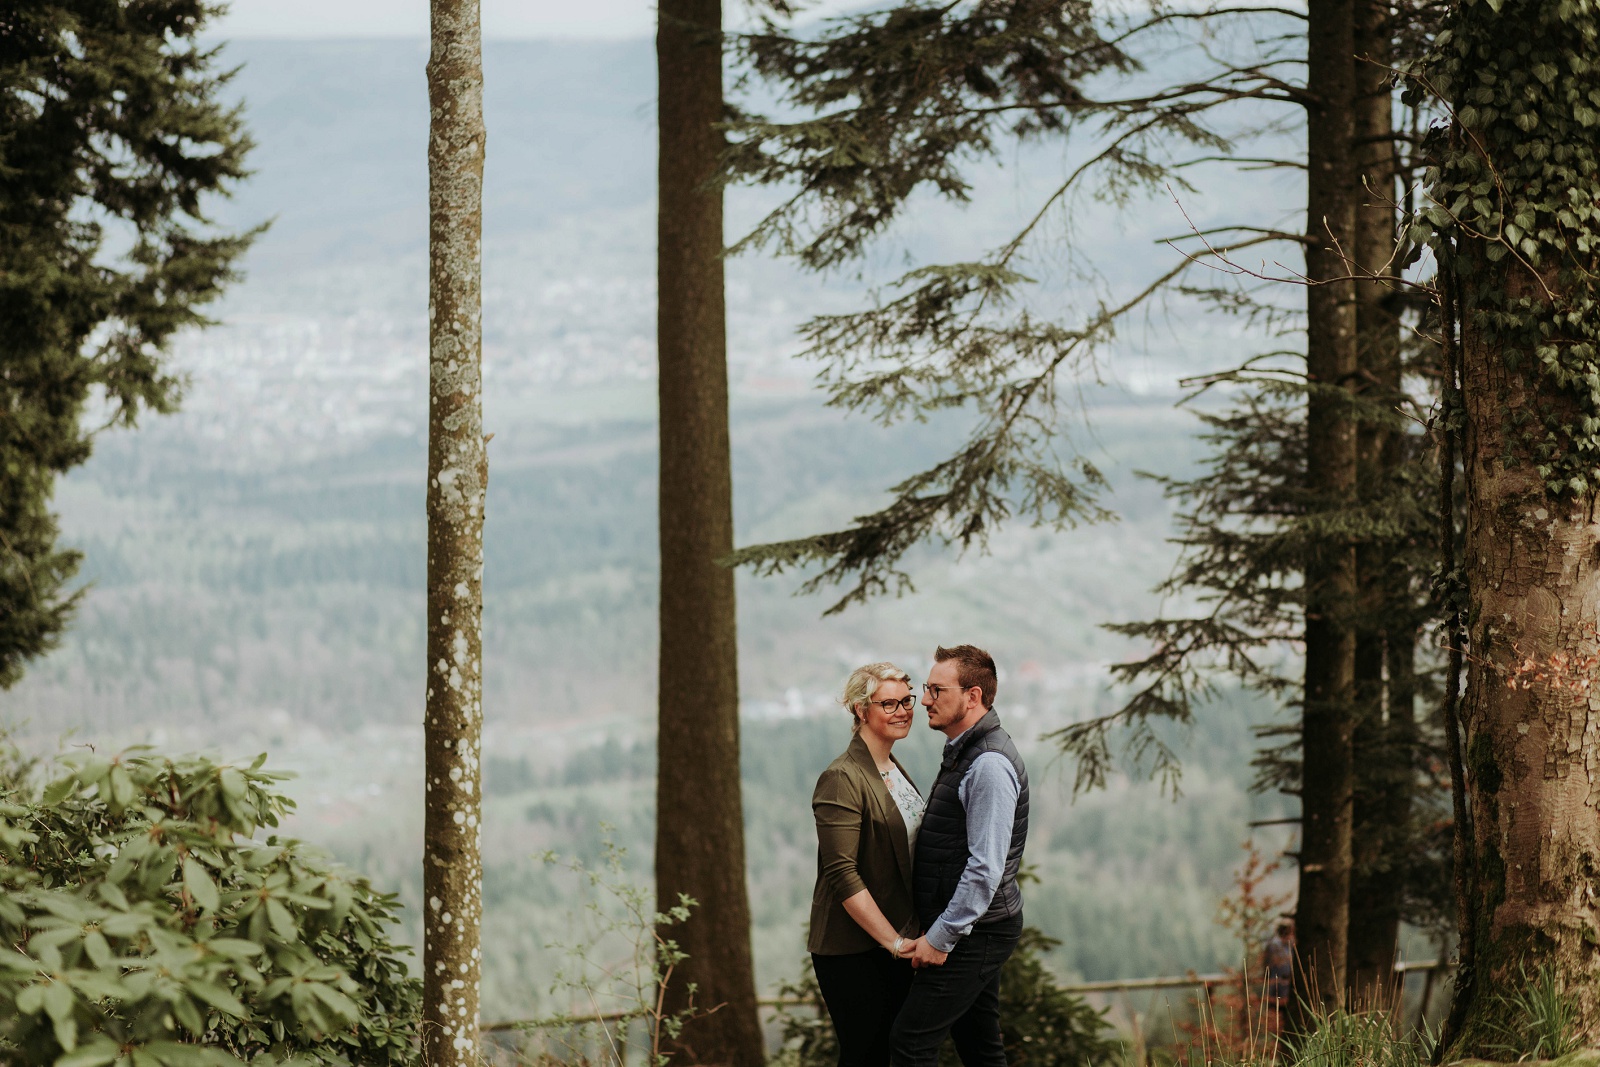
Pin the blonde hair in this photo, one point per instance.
(863, 682)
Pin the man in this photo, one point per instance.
(1277, 960)
(964, 876)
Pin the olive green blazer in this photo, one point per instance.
(861, 844)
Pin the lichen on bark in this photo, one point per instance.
(457, 483)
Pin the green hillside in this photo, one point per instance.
(255, 563)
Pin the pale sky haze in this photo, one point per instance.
(409, 18)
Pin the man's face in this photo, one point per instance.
(943, 696)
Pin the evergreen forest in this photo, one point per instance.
(446, 482)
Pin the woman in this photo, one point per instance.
(867, 813)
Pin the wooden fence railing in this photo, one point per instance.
(1429, 968)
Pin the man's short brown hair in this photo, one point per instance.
(974, 667)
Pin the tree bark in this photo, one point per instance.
(1323, 904)
(1532, 750)
(1385, 741)
(452, 871)
(699, 810)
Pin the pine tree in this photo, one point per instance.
(458, 473)
(1327, 776)
(113, 133)
(1276, 530)
(1387, 743)
(699, 850)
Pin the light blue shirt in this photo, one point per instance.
(988, 793)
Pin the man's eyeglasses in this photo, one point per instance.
(905, 703)
(935, 690)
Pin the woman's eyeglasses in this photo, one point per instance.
(905, 703)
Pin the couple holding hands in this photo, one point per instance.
(917, 906)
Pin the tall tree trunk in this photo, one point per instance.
(1327, 721)
(458, 470)
(699, 811)
(1385, 731)
(1521, 269)
(1533, 568)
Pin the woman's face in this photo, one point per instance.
(891, 723)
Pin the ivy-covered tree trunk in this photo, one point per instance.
(1515, 204)
(1385, 730)
(1330, 578)
(1532, 732)
(458, 470)
(699, 810)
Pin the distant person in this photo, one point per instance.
(862, 919)
(965, 871)
(1277, 960)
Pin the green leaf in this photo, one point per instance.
(187, 1014)
(343, 898)
(179, 1054)
(59, 790)
(58, 1000)
(99, 951)
(96, 1052)
(96, 985)
(306, 1008)
(200, 885)
(127, 924)
(233, 947)
(233, 782)
(30, 999)
(66, 1031)
(258, 925)
(121, 788)
(283, 923)
(218, 997)
(337, 1001)
(13, 960)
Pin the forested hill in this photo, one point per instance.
(256, 561)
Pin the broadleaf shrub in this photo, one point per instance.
(146, 925)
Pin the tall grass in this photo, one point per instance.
(1361, 1039)
(1541, 1020)
(1338, 1039)
(1538, 1021)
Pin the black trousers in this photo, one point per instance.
(863, 992)
(960, 998)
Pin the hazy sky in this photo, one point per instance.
(409, 18)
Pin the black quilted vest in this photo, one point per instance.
(942, 840)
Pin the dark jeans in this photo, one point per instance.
(863, 992)
(960, 998)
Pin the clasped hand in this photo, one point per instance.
(922, 954)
